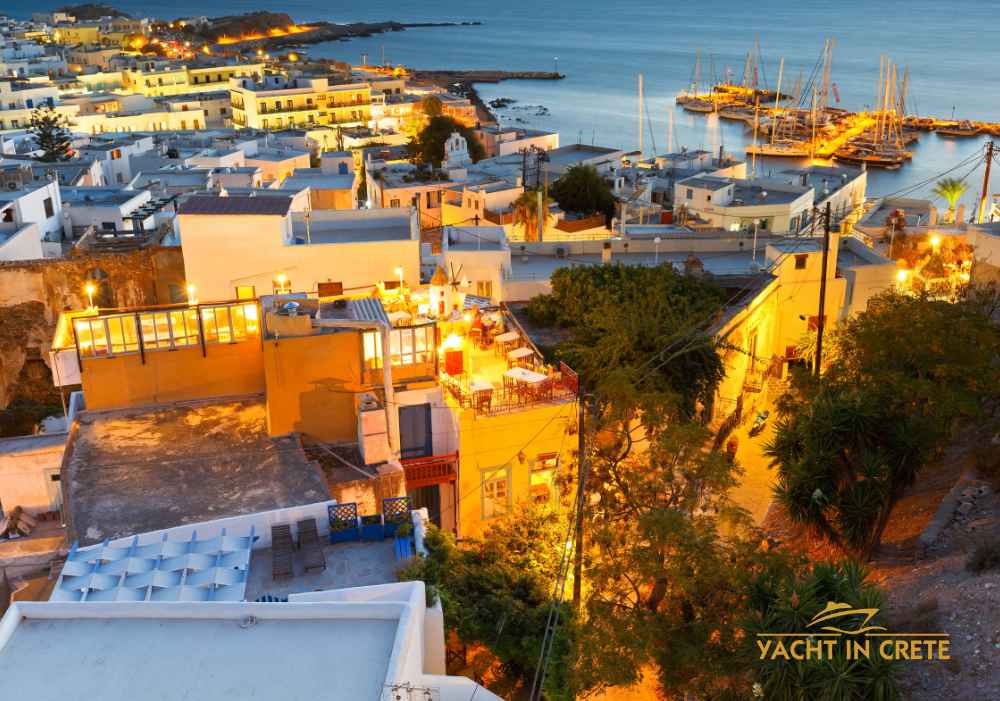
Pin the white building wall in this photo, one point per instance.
(25, 244)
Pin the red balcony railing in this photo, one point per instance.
(435, 469)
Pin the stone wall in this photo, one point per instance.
(33, 293)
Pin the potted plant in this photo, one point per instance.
(372, 527)
(343, 527)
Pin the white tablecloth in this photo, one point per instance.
(508, 337)
(527, 376)
(519, 353)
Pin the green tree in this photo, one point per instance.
(526, 213)
(582, 189)
(635, 335)
(431, 106)
(497, 593)
(897, 376)
(665, 586)
(785, 602)
(51, 132)
(427, 147)
(951, 190)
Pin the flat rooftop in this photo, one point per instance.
(541, 267)
(180, 657)
(352, 564)
(354, 226)
(140, 470)
(574, 153)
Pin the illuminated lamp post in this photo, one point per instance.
(90, 289)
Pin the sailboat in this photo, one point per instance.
(691, 101)
(962, 129)
(882, 146)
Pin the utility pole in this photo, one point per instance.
(581, 493)
(986, 183)
(822, 291)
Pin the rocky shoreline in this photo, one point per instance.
(322, 32)
(464, 83)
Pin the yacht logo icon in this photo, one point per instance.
(835, 611)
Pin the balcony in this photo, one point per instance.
(428, 471)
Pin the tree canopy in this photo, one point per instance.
(582, 189)
(526, 213)
(51, 132)
(427, 147)
(635, 335)
(496, 593)
(898, 375)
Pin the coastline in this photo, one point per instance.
(464, 83)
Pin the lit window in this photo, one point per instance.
(372, 341)
(495, 491)
(245, 292)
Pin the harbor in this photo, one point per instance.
(807, 122)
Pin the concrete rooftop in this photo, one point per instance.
(353, 564)
(140, 470)
(117, 658)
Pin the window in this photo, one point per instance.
(411, 345)
(800, 261)
(495, 491)
(108, 226)
(245, 292)
(484, 288)
(229, 323)
(690, 194)
(49, 209)
(372, 343)
(394, 203)
(429, 203)
(708, 198)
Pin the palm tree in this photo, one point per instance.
(526, 213)
(951, 190)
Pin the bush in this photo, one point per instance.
(985, 557)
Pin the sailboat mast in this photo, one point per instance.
(640, 116)
(777, 98)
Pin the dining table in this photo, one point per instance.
(528, 377)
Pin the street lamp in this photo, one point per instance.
(656, 241)
(90, 289)
(935, 242)
(399, 272)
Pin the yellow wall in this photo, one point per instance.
(311, 383)
(227, 369)
(331, 199)
(493, 441)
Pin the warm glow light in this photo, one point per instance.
(191, 296)
(281, 278)
(90, 289)
(293, 57)
(902, 275)
(467, 317)
(422, 309)
(206, 49)
(272, 32)
(935, 241)
(453, 342)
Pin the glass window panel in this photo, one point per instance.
(223, 325)
(372, 341)
(250, 315)
(238, 323)
(395, 343)
(115, 335)
(84, 338)
(495, 492)
(99, 337)
(406, 343)
(209, 325)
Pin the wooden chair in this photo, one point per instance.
(282, 547)
(309, 544)
(483, 398)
